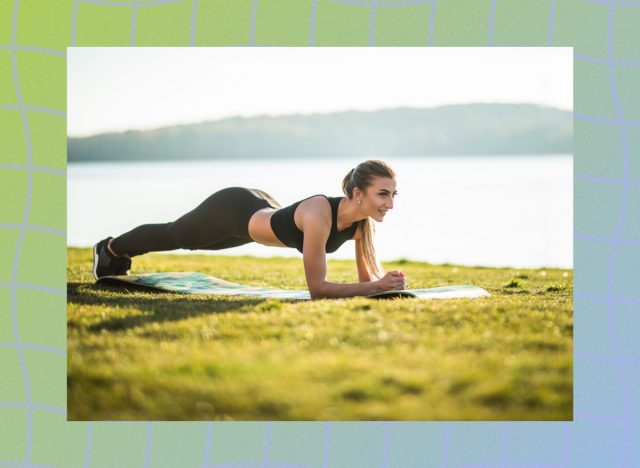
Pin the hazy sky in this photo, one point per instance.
(116, 89)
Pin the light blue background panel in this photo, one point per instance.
(34, 35)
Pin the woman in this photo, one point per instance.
(315, 226)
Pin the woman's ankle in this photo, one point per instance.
(112, 252)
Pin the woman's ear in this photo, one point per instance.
(357, 194)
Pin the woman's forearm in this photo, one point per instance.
(334, 290)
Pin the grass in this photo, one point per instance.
(152, 356)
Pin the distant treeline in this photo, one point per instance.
(449, 130)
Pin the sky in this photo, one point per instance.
(117, 89)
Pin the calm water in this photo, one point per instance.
(493, 211)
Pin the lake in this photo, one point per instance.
(512, 211)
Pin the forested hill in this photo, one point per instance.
(449, 130)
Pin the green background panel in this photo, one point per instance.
(45, 24)
(54, 447)
(43, 260)
(590, 80)
(602, 384)
(627, 80)
(13, 444)
(520, 23)
(15, 198)
(626, 45)
(101, 25)
(414, 20)
(43, 80)
(283, 22)
(177, 444)
(6, 16)
(341, 24)
(43, 367)
(12, 388)
(602, 148)
(41, 318)
(6, 318)
(582, 25)
(7, 91)
(221, 23)
(462, 23)
(47, 137)
(48, 201)
(299, 443)
(166, 24)
(230, 442)
(8, 246)
(117, 445)
(13, 147)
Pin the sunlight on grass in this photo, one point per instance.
(160, 356)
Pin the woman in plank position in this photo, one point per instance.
(315, 226)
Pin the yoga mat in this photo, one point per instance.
(191, 282)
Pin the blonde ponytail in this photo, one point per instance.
(362, 177)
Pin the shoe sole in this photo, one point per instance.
(95, 262)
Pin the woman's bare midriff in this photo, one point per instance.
(260, 228)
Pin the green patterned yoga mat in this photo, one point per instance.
(190, 282)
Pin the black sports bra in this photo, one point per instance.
(285, 229)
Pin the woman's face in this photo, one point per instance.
(378, 197)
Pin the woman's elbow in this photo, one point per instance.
(318, 291)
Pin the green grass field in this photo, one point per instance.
(155, 356)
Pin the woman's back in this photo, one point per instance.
(287, 226)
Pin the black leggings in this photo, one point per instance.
(219, 222)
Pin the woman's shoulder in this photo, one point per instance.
(319, 204)
(316, 207)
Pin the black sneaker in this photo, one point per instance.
(107, 264)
